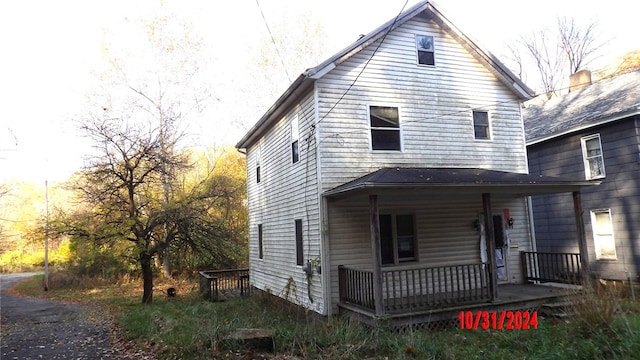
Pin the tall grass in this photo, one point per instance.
(187, 327)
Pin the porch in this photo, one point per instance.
(421, 295)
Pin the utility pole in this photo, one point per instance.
(46, 237)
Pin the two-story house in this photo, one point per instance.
(391, 178)
(591, 133)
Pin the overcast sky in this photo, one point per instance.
(50, 49)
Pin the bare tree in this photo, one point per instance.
(578, 43)
(556, 53)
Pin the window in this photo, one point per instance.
(385, 128)
(603, 240)
(593, 159)
(258, 155)
(299, 254)
(481, 125)
(260, 248)
(295, 135)
(425, 50)
(397, 238)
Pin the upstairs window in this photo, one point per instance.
(397, 238)
(424, 45)
(481, 125)
(593, 158)
(258, 156)
(295, 136)
(603, 240)
(385, 128)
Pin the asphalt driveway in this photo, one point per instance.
(33, 328)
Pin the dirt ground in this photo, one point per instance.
(33, 328)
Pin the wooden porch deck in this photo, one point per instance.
(523, 297)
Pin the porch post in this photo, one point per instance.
(491, 245)
(377, 256)
(582, 240)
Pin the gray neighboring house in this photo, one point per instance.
(594, 134)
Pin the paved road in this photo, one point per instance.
(33, 328)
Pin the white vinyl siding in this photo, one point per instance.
(445, 234)
(285, 193)
(435, 105)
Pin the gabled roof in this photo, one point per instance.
(457, 179)
(427, 9)
(599, 103)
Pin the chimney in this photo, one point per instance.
(579, 80)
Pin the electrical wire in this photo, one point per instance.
(273, 40)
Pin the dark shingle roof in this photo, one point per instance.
(603, 101)
(439, 178)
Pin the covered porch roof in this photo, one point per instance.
(458, 180)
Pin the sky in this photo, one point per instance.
(51, 50)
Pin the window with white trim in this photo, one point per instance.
(424, 45)
(258, 160)
(385, 128)
(295, 137)
(481, 125)
(397, 238)
(603, 240)
(593, 157)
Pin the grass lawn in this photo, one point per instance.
(186, 327)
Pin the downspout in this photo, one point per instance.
(532, 228)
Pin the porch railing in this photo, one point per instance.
(416, 288)
(215, 285)
(551, 267)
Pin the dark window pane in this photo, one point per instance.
(426, 58)
(386, 239)
(385, 139)
(299, 254)
(405, 232)
(481, 124)
(294, 151)
(260, 252)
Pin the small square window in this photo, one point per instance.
(385, 128)
(424, 45)
(481, 125)
(593, 157)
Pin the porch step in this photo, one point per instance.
(557, 309)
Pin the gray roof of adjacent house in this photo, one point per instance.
(304, 82)
(458, 179)
(601, 102)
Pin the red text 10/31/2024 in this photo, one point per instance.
(498, 320)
